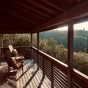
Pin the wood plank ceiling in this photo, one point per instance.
(23, 16)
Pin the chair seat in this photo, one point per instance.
(18, 58)
(14, 62)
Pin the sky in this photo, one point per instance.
(76, 26)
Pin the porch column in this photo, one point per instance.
(2, 40)
(31, 46)
(0, 48)
(38, 40)
(70, 53)
(31, 40)
(38, 49)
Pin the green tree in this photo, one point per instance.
(79, 43)
(86, 45)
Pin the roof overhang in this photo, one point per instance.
(31, 16)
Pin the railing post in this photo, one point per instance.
(0, 56)
(1, 40)
(52, 75)
(31, 46)
(38, 49)
(70, 53)
(0, 48)
(43, 67)
(38, 40)
(31, 40)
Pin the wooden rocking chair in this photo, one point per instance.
(13, 51)
(12, 62)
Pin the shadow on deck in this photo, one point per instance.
(31, 77)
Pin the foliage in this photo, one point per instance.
(16, 39)
(80, 38)
(86, 45)
(49, 46)
(57, 49)
(59, 52)
(59, 36)
(81, 62)
(79, 43)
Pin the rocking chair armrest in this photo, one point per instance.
(19, 59)
(20, 55)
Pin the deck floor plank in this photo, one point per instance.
(32, 70)
(30, 77)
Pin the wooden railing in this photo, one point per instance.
(57, 71)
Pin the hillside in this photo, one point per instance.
(80, 38)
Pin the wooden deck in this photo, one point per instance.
(31, 77)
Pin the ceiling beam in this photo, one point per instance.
(18, 15)
(23, 13)
(61, 4)
(23, 10)
(74, 13)
(59, 8)
(29, 8)
(40, 7)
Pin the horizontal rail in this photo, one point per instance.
(49, 58)
(55, 70)
(60, 72)
(80, 77)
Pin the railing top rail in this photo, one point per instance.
(62, 66)
(46, 55)
(78, 76)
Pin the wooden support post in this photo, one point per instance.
(38, 49)
(2, 40)
(43, 67)
(38, 40)
(31, 40)
(31, 46)
(52, 75)
(0, 48)
(70, 53)
(0, 56)
(1, 45)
